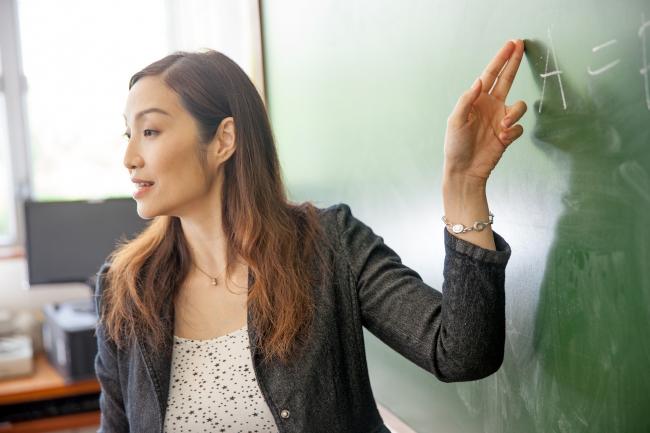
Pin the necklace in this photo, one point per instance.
(214, 281)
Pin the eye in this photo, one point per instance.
(127, 135)
(150, 131)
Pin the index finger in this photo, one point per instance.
(493, 69)
(507, 76)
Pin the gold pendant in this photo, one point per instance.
(214, 281)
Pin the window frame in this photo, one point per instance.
(14, 89)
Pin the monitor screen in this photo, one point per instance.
(68, 241)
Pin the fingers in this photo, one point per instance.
(507, 76)
(493, 69)
(509, 135)
(463, 107)
(513, 114)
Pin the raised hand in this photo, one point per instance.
(482, 126)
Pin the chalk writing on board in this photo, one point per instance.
(601, 46)
(551, 50)
(643, 32)
(607, 66)
(644, 58)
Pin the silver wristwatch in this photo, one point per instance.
(459, 228)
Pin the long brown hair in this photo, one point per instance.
(281, 242)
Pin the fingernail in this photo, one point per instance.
(476, 83)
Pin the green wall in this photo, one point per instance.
(359, 92)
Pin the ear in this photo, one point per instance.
(224, 140)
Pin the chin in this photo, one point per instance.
(144, 214)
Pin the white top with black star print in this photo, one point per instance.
(213, 388)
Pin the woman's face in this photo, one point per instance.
(162, 142)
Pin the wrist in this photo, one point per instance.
(465, 202)
(455, 174)
(463, 184)
(464, 198)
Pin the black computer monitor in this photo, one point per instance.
(67, 241)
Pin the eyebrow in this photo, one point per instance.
(149, 110)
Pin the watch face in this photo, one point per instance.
(457, 228)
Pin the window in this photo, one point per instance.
(77, 57)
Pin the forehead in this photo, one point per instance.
(150, 92)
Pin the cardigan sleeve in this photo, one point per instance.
(113, 416)
(459, 334)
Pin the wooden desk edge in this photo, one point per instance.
(45, 384)
(52, 424)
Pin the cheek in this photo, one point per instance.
(181, 169)
(176, 163)
(166, 160)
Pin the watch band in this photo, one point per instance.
(459, 228)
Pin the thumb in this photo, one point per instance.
(465, 102)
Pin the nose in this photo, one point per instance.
(132, 158)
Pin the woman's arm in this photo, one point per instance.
(479, 130)
(458, 334)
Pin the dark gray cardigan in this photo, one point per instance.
(458, 336)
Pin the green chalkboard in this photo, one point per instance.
(359, 92)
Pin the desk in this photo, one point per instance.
(46, 384)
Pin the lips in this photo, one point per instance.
(142, 188)
(142, 181)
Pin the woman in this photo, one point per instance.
(235, 310)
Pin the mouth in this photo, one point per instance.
(141, 188)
